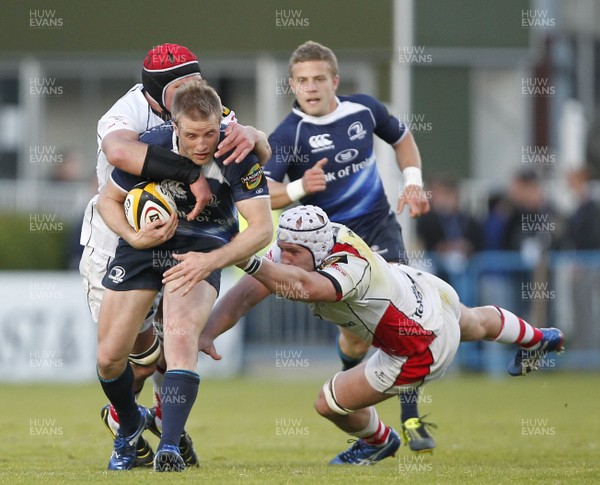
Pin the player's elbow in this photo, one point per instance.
(115, 152)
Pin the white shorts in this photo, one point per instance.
(391, 374)
(92, 268)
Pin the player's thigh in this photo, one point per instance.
(351, 344)
(191, 310)
(353, 391)
(183, 320)
(120, 319)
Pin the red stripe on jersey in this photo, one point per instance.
(415, 369)
(400, 335)
(345, 248)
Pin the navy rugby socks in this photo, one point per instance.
(119, 392)
(409, 404)
(178, 393)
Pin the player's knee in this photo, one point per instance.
(144, 363)
(327, 404)
(321, 406)
(109, 365)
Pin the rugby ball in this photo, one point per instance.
(146, 203)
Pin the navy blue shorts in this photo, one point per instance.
(386, 239)
(141, 269)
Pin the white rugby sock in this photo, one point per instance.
(375, 433)
(515, 330)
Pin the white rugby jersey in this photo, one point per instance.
(395, 307)
(130, 112)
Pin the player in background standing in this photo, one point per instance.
(134, 277)
(145, 105)
(413, 318)
(326, 148)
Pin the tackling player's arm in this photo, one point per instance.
(124, 151)
(308, 286)
(239, 300)
(110, 206)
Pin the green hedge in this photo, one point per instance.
(35, 241)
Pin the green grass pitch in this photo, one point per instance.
(543, 428)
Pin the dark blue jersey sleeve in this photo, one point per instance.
(284, 152)
(159, 135)
(246, 179)
(124, 180)
(387, 127)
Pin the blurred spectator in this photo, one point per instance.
(533, 225)
(493, 227)
(70, 168)
(583, 233)
(447, 230)
(582, 227)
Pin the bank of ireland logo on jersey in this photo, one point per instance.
(116, 275)
(356, 131)
(321, 143)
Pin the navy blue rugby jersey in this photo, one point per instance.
(354, 195)
(228, 183)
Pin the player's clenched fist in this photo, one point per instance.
(314, 179)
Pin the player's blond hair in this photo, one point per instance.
(313, 51)
(196, 100)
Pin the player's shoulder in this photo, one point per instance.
(346, 241)
(288, 124)
(228, 116)
(132, 98)
(159, 135)
(342, 245)
(360, 98)
(341, 233)
(249, 161)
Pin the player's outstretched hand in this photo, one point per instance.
(314, 179)
(155, 233)
(416, 199)
(201, 191)
(241, 139)
(193, 267)
(207, 346)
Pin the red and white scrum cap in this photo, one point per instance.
(309, 227)
(164, 65)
